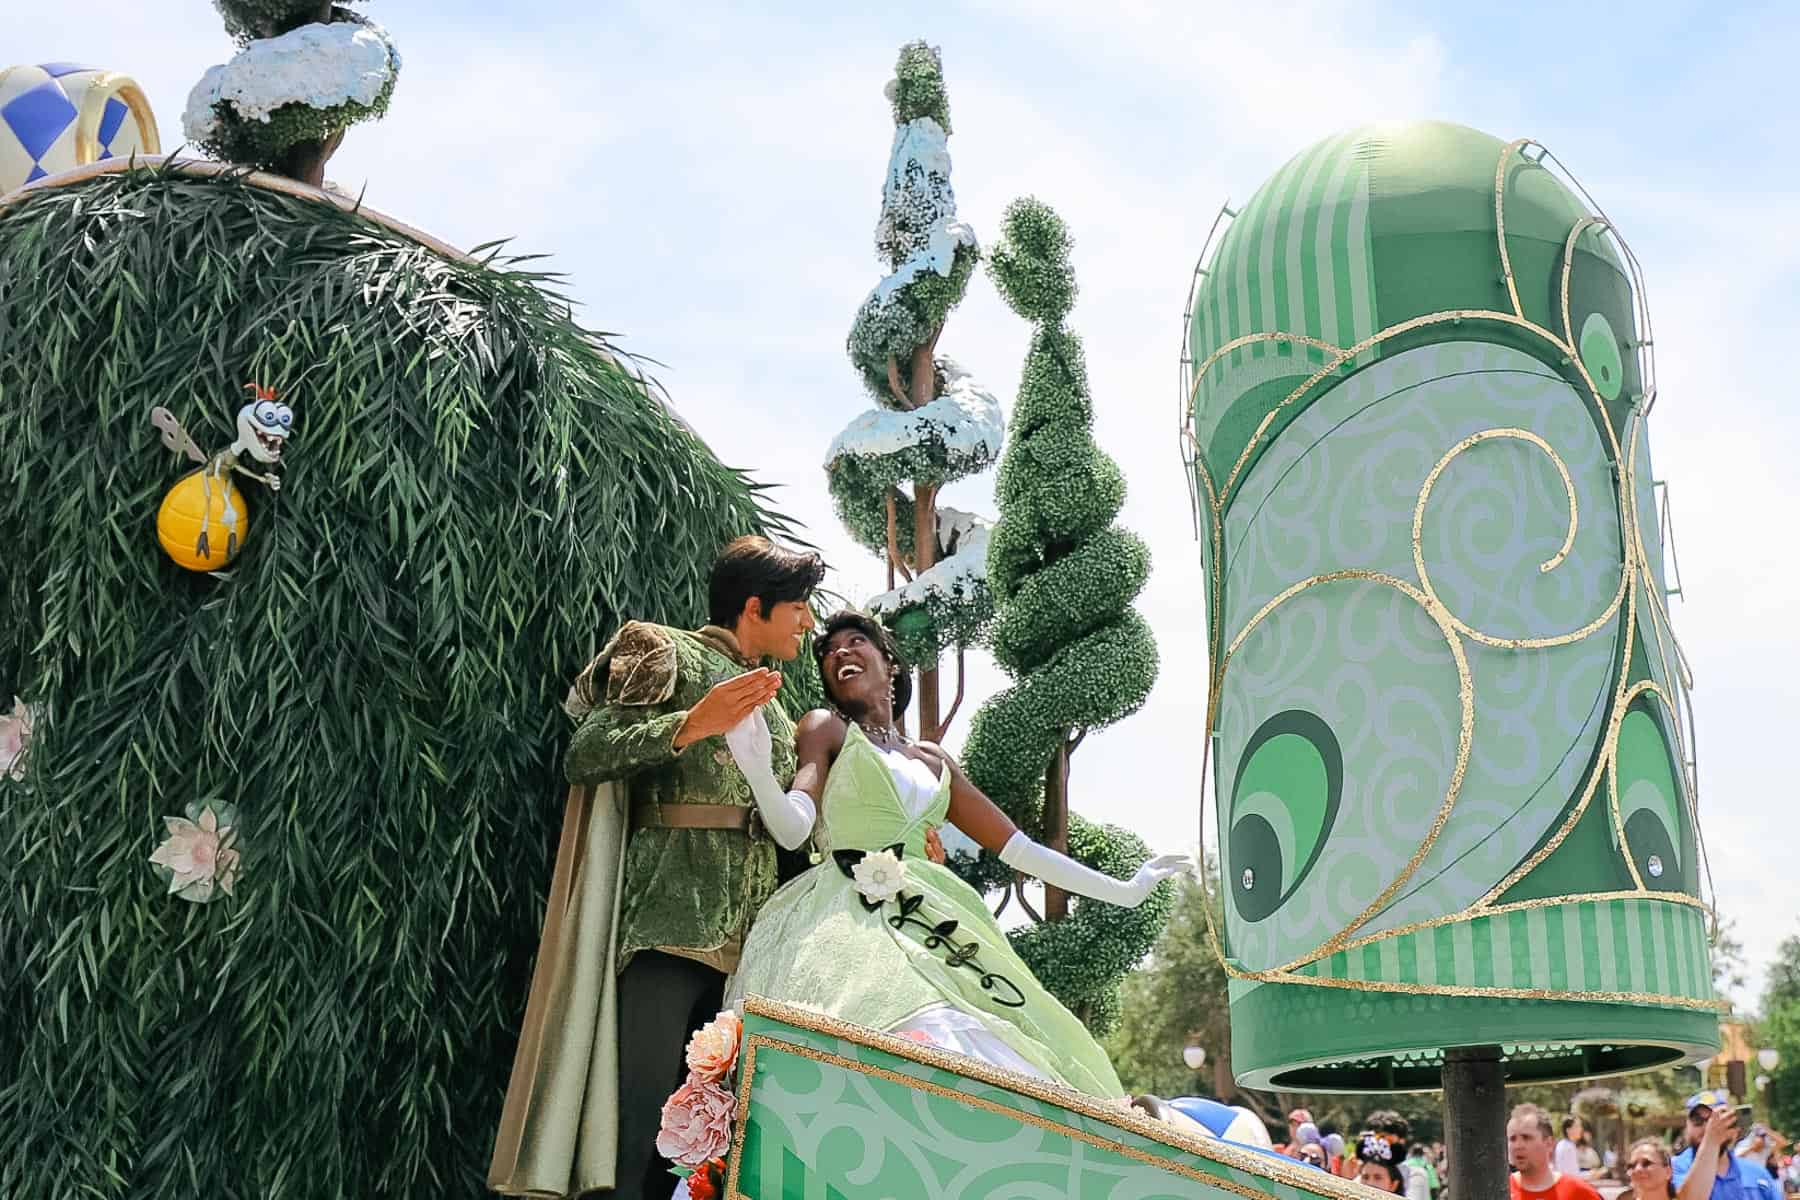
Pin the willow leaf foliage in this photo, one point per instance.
(476, 493)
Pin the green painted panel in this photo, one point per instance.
(868, 1123)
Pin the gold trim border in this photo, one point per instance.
(261, 179)
(1307, 1179)
(1632, 553)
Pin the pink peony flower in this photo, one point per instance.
(199, 855)
(696, 1123)
(712, 1051)
(15, 737)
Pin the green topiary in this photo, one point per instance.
(917, 89)
(1064, 577)
(476, 493)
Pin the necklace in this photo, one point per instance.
(882, 736)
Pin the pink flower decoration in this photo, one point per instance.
(199, 855)
(15, 736)
(696, 1123)
(713, 1049)
(918, 1035)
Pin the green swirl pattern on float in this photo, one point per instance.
(1464, 813)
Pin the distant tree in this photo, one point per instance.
(1781, 1032)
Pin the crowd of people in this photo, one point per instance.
(1556, 1160)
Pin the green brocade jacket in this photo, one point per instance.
(691, 892)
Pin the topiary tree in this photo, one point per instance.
(933, 423)
(1064, 577)
(477, 492)
(305, 72)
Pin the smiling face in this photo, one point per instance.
(263, 427)
(775, 632)
(1649, 1171)
(858, 676)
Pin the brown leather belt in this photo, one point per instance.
(691, 816)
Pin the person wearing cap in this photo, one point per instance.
(1295, 1120)
(1530, 1137)
(1711, 1130)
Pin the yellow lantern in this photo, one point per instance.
(203, 522)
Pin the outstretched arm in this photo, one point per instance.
(980, 818)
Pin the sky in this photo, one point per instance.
(708, 176)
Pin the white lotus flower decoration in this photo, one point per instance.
(879, 876)
(200, 855)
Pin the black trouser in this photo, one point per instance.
(662, 1001)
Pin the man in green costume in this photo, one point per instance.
(662, 867)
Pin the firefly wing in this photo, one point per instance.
(174, 436)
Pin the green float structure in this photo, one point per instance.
(1448, 724)
(837, 1111)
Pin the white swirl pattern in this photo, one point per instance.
(1335, 490)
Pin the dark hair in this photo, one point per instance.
(1386, 1120)
(1566, 1122)
(1418, 1148)
(875, 631)
(754, 567)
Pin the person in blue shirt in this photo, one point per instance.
(1711, 1132)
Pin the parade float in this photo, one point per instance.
(277, 817)
(1448, 732)
(313, 518)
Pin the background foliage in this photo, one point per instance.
(1064, 577)
(476, 493)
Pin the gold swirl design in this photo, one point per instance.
(1418, 549)
(1634, 574)
(1465, 694)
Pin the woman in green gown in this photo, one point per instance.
(876, 934)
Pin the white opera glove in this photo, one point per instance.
(788, 816)
(1059, 870)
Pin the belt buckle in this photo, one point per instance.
(753, 827)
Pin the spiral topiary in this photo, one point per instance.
(1063, 577)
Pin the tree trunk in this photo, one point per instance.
(924, 554)
(305, 161)
(1056, 823)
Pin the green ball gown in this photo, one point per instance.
(930, 960)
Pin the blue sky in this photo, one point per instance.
(708, 176)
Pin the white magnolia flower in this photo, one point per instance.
(879, 876)
(199, 855)
(15, 738)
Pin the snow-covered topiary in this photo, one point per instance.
(949, 604)
(933, 423)
(929, 252)
(283, 102)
